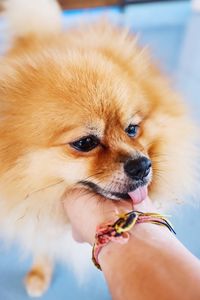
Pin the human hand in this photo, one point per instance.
(87, 210)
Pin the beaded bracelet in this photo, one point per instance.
(119, 230)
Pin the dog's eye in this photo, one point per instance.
(86, 144)
(132, 130)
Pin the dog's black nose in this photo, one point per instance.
(137, 168)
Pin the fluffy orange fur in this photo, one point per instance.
(56, 88)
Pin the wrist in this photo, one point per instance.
(143, 238)
(119, 231)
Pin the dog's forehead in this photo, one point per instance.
(106, 96)
(102, 97)
(96, 106)
(63, 96)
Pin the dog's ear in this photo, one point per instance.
(37, 18)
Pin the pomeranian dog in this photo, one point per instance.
(83, 107)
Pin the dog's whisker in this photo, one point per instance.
(44, 188)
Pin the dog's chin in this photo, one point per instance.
(112, 195)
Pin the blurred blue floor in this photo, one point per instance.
(172, 32)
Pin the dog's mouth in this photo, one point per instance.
(136, 192)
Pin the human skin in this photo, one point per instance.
(152, 265)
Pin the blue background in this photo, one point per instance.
(172, 32)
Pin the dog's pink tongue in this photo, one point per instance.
(139, 194)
